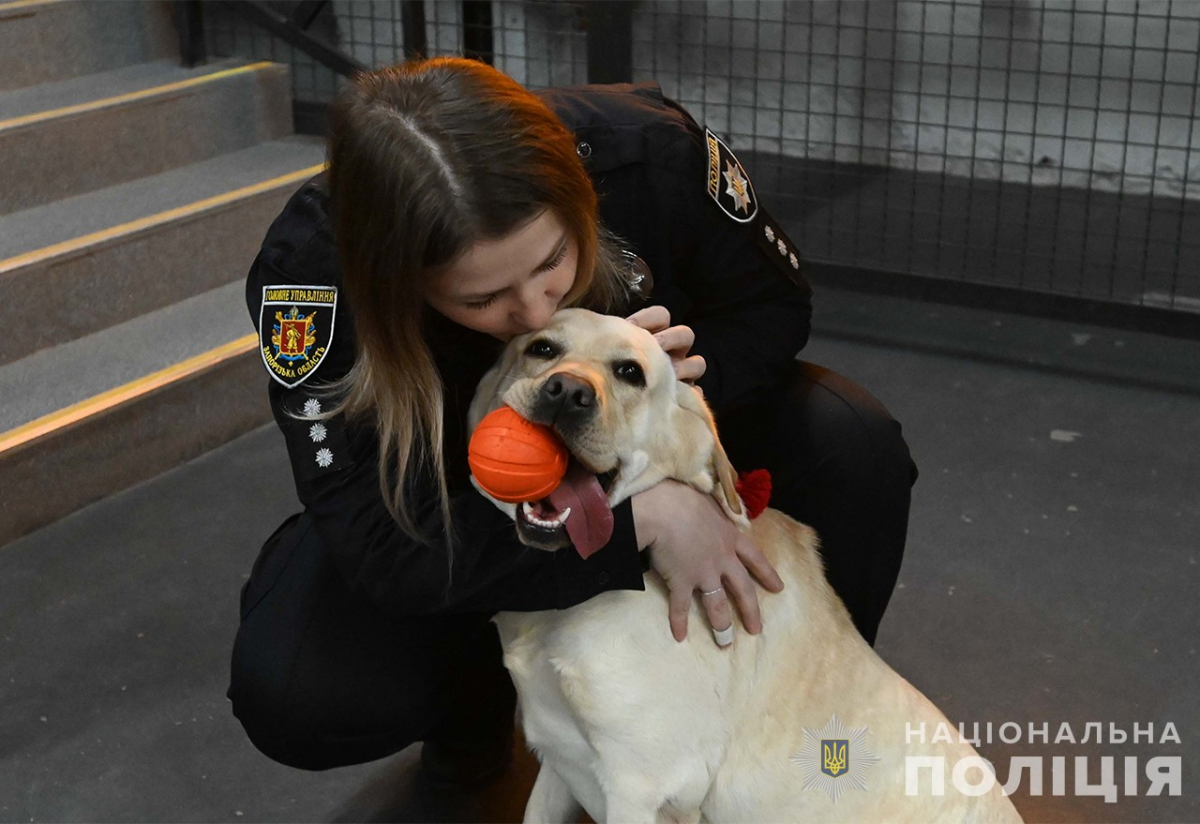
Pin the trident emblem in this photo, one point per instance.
(833, 757)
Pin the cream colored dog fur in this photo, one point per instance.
(633, 726)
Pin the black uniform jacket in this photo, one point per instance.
(719, 264)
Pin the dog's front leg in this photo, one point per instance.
(551, 800)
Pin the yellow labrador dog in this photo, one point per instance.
(801, 723)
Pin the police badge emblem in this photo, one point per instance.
(829, 760)
(295, 326)
(728, 183)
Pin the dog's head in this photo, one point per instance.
(609, 391)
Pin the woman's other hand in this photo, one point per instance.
(694, 546)
(676, 341)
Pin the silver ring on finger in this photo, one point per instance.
(713, 591)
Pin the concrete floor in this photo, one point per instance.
(1051, 576)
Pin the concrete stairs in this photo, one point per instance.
(133, 198)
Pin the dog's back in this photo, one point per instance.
(614, 704)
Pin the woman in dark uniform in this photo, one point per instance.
(460, 210)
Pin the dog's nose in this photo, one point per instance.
(564, 396)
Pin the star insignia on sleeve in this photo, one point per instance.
(324, 458)
(318, 432)
(312, 407)
(737, 187)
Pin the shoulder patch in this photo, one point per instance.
(295, 328)
(728, 183)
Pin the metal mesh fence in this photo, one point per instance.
(1044, 147)
(1041, 147)
(226, 34)
(539, 43)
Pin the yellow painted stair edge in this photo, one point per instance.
(128, 97)
(78, 244)
(55, 422)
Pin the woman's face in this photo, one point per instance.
(511, 285)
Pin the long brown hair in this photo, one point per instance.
(425, 159)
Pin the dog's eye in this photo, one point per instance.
(541, 349)
(630, 372)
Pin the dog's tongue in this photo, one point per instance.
(590, 523)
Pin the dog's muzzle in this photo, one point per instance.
(564, 402)
(577, 511)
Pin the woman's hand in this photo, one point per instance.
(694, 546)
(676, 341)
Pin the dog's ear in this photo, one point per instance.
(717, 467)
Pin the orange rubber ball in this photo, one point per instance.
(515, 460)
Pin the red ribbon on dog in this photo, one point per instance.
(755, 490)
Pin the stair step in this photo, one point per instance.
(66, 138)
(75, 371)
(96, 260)
(63, 461)
(42, 41)
(48, 101)
(134, 195)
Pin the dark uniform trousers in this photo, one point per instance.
(321, 680)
